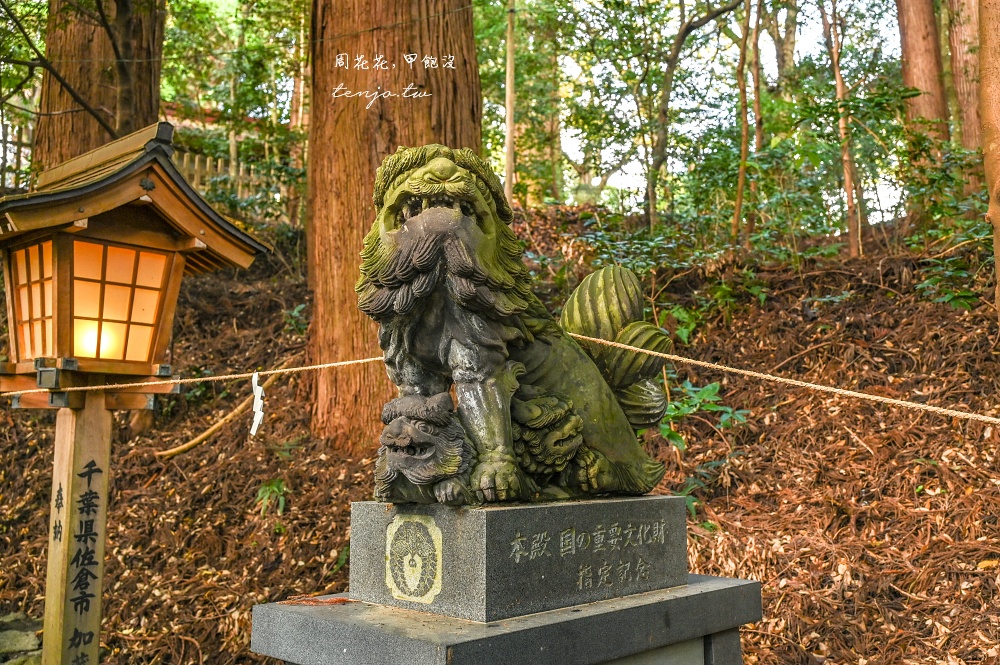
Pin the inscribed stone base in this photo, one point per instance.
(693, 624)
(501, 561)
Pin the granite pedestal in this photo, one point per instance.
(600, 581)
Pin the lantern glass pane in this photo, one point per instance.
(116, 302)
(113, 341)
(34, 264)
(48, 338)
(85, 338)
(150, 271)
(139, 338)
(88, 260)
(86, 298)
(22, 294)
(32, 295)
(121, 265)
(26, 340)
(21, 266)
(37, 344)
(36, 300)
(144, 306)
(47, 259)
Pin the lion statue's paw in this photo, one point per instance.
(451, 492)
(497, 477)
(592, 472)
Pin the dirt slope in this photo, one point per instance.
(874, 530)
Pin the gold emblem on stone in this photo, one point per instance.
(413, 558)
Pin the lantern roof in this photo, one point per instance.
(134, 170)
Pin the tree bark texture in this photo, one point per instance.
(783, 35)
(348, 138)
(922, 69)
(964, 42)
(741, 83)
(120, 79)
(989, 109)
(758, 117)
(509, 101)
(831, 31)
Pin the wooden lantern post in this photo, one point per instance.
(93, 261)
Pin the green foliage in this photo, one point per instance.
(233, 75)
(285, 449)
(691, 400)
(273, 490)
(200, 392)
(342, 558)
(704, 475)
(296, 320)
(947, 281)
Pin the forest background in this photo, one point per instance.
(799, 183)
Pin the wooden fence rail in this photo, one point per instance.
(241, 180)
(15, 157)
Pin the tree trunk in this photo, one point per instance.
(783, 37)
(348, 138)
(944, 29)
(964, 42)
(296, 123)
(124, 89)
(989, 109)
(922, 65)
(831, 31)
(658, 153)
(741, 82)
(758, 117)
(83, 55)
(508, 149)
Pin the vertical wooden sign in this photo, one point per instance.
(77, 534)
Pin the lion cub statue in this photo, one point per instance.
(536, 415)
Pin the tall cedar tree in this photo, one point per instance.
(103, 80)
(922, 68)
(348, 138)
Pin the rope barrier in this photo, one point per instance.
(667, 356)
(795, 382)
(203, 379)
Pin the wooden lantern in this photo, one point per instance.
(93, 259)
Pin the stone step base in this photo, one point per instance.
(707, 610)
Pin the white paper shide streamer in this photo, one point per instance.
(258, 404)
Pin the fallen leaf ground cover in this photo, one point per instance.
(872, 529)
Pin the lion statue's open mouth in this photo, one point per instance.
(540, 417)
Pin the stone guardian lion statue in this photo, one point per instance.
(536, 416)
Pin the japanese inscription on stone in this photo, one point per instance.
(611, 555)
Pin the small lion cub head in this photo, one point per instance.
(424, 442)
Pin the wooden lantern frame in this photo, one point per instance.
(126, 197)
(46, 334)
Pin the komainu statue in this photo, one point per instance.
(535, 415)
